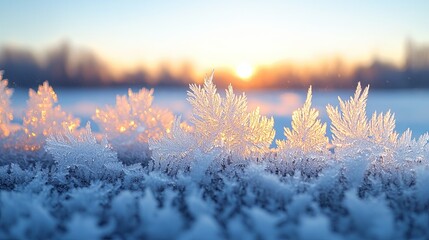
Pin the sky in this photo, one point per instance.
(213, 34)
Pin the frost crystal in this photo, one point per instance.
(133, 122)
(177, 144)
(409, 150)
(43, 117)
(221, 127)
(353, 134)
(351, 124)
(5, 110)
(82, 155)
(305, 147)
(225, 122)
(176, 151)
(382, 128)
(308, 134)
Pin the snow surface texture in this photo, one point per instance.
(212, 178)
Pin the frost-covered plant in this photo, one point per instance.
(382, 135)
(308, 134)
(351, 124)
(222, 127)
(43, 117)
(82, 157)
(305, 147)
(369, 148)
(226, 123)
(410, 150)
(5, 109)
(132, 122)
(180, 152)
(173, 151)
(353, 134)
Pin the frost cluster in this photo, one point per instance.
(5, 110)
(132, 122)
(82, 156)
(305, 147)
(225, 122)
(222, 127)
(354, 134)
(214, 178)
(44, 117)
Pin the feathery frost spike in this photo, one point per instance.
(351, 123)
(225, 122)
(354, 135)
(382, 128)
(221, 126)
(410, 150)
(134, 119)
(132, 123)
(5, 110)
(308, 133)
(91, 160)
(44, 117)
(178, 143)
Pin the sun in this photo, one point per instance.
(244, 71)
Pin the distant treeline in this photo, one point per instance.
(64, 66)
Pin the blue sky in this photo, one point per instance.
(218, 33)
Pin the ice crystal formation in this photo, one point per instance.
(222, 127)
(44, 117)
(172, 142)
(82, 155)
(308, 134)
(5, 109)
(351, 123)
(354, 134)
(226, 123)
(305, 147)
(216, 178)
(132, 122)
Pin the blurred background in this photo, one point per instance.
(251, 44)
(272, 49)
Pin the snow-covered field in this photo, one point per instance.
(137, 172)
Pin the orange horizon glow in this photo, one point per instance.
(244, 71)
(209, 34)
(87, 66)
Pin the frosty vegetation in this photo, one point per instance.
(5, 109)
(131, 124)
(149, 175)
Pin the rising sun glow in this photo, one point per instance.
(244, 71)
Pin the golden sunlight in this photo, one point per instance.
(244, 71)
